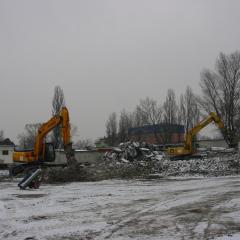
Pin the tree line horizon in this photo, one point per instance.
(220, 93)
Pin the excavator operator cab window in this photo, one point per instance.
(49, 153)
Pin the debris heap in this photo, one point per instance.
(134, 151)
(140, 160)
(129, 160)
(210, 166)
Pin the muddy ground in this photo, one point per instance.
(165, 208)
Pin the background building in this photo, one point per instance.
(158, 134)
(6, 151)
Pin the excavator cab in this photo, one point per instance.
(49, 152)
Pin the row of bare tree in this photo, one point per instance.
(220, 93)
(150, 112)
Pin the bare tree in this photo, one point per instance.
(1, 135)
(111, 129)
(221, 93)
(170, 110)
(27, 138)
(189, 111)
(84, 144)
(57, 103)
(74, 130)
(149, 112)
(137, 119)
(125, 122)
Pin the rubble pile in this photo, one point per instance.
(126, 161)
(136, 160)
(134, 151)
(140, 159)
(210, 166)
(64, 174)
(132, 159)
(129, 160)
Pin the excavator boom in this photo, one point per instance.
(39, 152)
(188, 149)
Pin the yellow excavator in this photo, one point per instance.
(32, 161)
(188, 149)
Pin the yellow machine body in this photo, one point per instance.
(187, 148)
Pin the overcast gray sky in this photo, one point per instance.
(105, 54)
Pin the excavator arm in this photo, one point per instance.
(63, 119)
(38, 154)
(213, 117)
(188, 149)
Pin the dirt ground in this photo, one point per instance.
(169, 208)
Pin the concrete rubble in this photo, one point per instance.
(141, 160)
(135, 151)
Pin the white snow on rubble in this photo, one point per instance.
(134, 158)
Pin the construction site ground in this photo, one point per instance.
(162, 208)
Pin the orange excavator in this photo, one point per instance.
(33, 160)
(188, 149)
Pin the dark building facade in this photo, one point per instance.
(157, 134)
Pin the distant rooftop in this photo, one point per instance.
(7, 142)
(157, 128)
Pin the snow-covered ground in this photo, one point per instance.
(172, 208)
